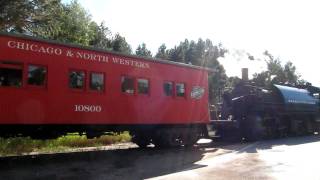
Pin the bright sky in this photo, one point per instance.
(287, 29)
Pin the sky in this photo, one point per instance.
(289, 29)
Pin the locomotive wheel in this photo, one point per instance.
(298, 127)
(253, 128)
(310, 126)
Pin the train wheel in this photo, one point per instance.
(161, 142)
(176, 137)
(310, 126)
(141, 140)
(167, 142)
(166, 138)
(298, 127)
(190, 136)
(284, 126)
(254, 128)
(192, 140)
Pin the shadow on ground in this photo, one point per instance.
(113, 164)
(127, 163)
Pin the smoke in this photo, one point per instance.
(236, 59)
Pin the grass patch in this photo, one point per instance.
(22, 145)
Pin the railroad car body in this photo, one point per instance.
(49, 88)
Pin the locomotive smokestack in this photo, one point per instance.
(245, 76)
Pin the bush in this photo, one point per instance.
(110, 139)
(20, 145)
(75, 141)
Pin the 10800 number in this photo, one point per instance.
(87, 108)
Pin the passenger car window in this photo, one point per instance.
(37, 75)
(180, 90)
(167, 88)
(76, 79)
(97, 81)
(127, 84)
(143, 86)
(11, 74)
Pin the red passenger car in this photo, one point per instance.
(48, 89)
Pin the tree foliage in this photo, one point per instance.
(143, 51)
(54, 20)
(232, 81)
(119, 44)
(276, 73)
(102, 37)
(72, 23)
(162, 53)
(21, 15)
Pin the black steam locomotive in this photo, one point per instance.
(250, 112)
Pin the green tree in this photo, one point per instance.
(217, 84)
(176, 54)
(200, 53)
(190, 56)
(101, 37)
(276, 73)
(72, 24)
(22, 15)
(143, 51)
(54, 20)
(13, 14)
(232, 81)
(119, 44)
(162, 53)
(290, 73)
